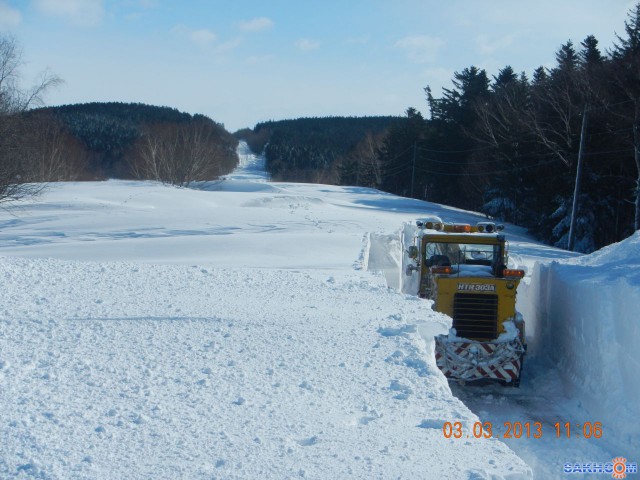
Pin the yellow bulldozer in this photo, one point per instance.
(463, 269)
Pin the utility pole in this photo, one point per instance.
(576, 191)
(413, 171)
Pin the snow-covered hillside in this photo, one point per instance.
(246, 329)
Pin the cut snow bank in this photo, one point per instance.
(387, 254)
(583, 314)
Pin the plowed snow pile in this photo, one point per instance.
(227, 332)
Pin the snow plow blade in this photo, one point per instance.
(470, 361)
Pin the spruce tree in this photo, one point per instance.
(626, 68)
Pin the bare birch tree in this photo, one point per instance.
(15, 161)
(179, 154)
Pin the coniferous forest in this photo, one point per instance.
(335, 150)
(508, 145)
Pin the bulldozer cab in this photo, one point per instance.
(464, 257)
(454, 253)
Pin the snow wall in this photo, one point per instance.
(584, 314)
(387, 253)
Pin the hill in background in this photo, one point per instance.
(134, 140)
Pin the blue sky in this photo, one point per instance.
(244, 61)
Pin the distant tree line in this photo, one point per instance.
(335, 150)
(507, 146)
(99, 140)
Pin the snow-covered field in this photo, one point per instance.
(246, 329)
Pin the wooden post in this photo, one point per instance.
(576, 191)
(413, 170)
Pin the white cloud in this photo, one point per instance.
(488, 46)
(139, 8)
(145, 4)
(206, 39)
(260, 59)
(202, 37)
(256, 24)
(148, 3)
(9, 16)
(228, 45)
(307, 44)
(363, 40)
(78, 12)
(420, 48)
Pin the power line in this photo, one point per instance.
(469, 150)
(473, 162)
(629, 150)
(506, 170)
(611, 132)
(398, 169)
(399, 154)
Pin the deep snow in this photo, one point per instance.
(245, 329)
